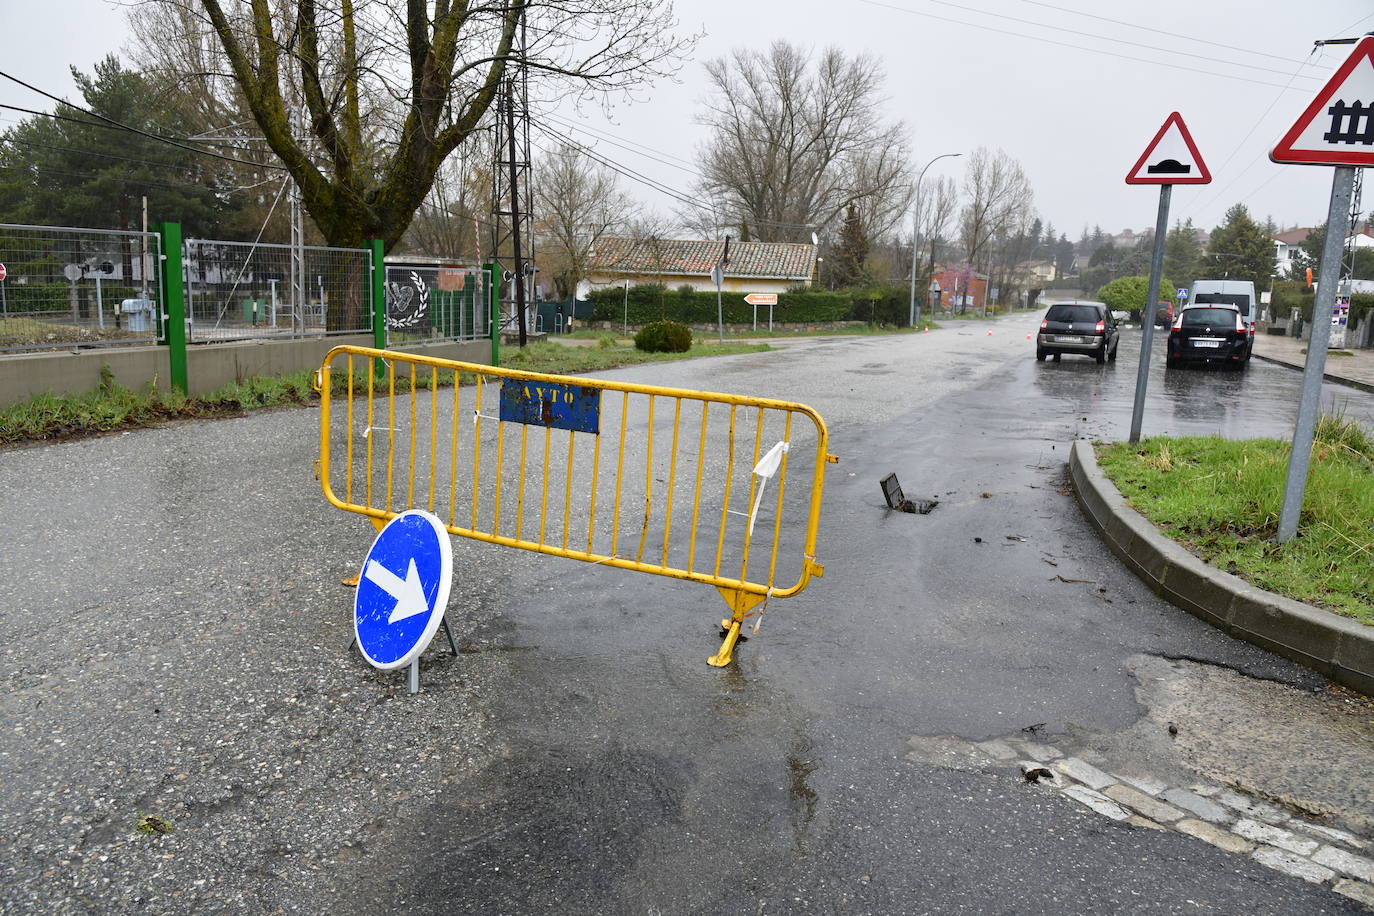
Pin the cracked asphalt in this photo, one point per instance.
(174, 636)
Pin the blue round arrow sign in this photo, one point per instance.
(403, 589)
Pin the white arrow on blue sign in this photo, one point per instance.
(403, 589)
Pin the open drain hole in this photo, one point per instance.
(896, 499)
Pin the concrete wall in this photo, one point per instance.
(209, 367)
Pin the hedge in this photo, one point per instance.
(654, 303)
(1286, 299)
(56, 297)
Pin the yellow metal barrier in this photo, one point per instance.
(650, 452)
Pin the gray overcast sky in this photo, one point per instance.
(1039, 78)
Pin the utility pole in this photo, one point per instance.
(915, 231)
(510, 181)
(519, 268)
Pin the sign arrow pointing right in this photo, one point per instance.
(408, 592)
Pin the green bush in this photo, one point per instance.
(653, 303)
(1127, 294)
(664, 337)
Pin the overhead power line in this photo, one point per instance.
(1064, 44)
(1146, 28)
(121, 126)
(679, 196)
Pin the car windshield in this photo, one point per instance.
(1221, 319)
(1240, 300)
(1078, 313)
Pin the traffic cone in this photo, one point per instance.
(925, 330)
(989, 332)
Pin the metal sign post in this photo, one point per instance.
(1147, 315)
(718, 277)
(402, 593)
(1170, 158)
(1337, 224)
(1334, 129)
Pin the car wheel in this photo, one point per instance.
(1170, 363)
(1056, 357)
(1101, 356)
(1040, 355)
(1112, 355)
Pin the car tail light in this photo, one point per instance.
(1100, 327)
(1044, 324)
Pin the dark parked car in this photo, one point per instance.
(1209, 334)
(1164, 313)
(1085, 328)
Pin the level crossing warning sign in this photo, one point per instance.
(1337, 128)
(1170, 158)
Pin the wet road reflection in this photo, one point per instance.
(1259, 401)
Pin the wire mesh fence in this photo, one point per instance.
(436, 301)
(237, 290)
(66, 287)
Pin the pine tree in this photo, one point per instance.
(1182, 254)
(851, 255)
(1240, 249)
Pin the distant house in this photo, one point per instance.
(958, 289)
(1037, 272)
(755, 267)
(1287, 244)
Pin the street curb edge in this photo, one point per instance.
(1334, 646)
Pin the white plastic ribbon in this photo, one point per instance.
(768, 466)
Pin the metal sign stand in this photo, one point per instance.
(1343, 141)
(1337, 225)
(415, 663)
(1170, 158)
(1147, 316)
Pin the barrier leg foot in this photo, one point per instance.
(727, 648)
(739, 603)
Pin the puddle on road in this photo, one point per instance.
(803, 798)
(1254, 767)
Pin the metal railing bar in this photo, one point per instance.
(696, 492)
(648, 482)
(729, 479)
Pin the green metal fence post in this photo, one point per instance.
(173, 305)
(378, 302)
(494, 292)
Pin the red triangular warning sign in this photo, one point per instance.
(1338, 127)
(1170, 158)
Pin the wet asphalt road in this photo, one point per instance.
(173, 644)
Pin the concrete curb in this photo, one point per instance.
(1326, 376)
(1332, 645)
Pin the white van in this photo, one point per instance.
(1240, 293)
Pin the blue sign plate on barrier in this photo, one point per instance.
(553, 404)
(403, 589)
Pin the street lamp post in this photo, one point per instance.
(915, 219)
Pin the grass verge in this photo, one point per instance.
(1221, 499)
(112, 406)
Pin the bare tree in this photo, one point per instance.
(451, 221)
(794, 143)
(939, 200)
(999, 196)
(577, 202)
(363, 100)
